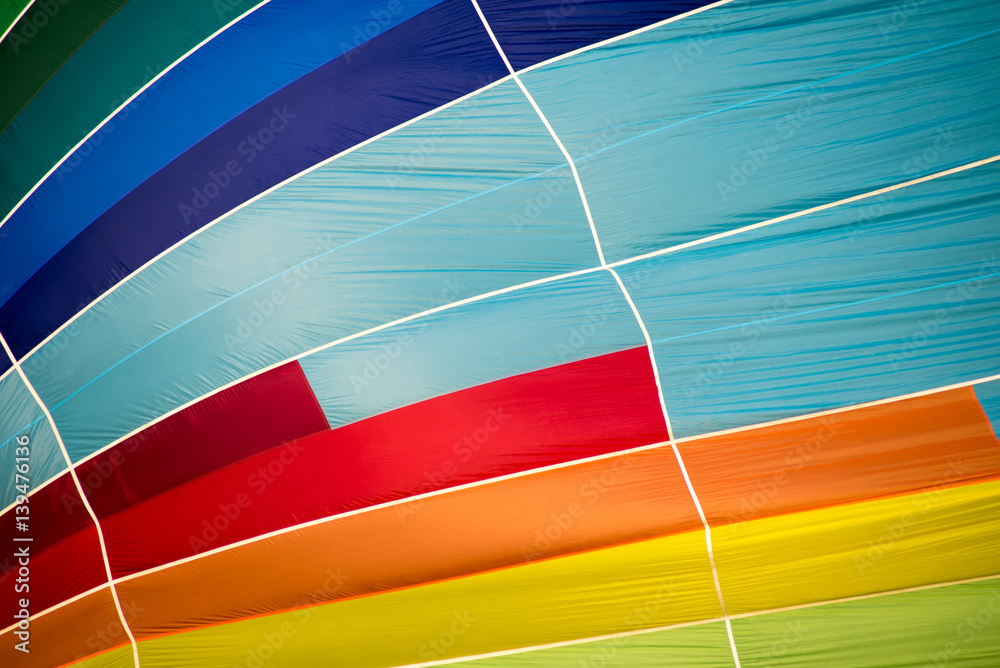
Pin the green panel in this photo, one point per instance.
(956, 626)
(142, 39)
(9, 11)
(45, 38)
(702, 646)
(116, 658)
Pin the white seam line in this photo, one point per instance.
(548, 126)
(125, 104)
(584, 460)
(683, 468)
(19, 17)
(250, 201)
(806, 212)
(700, 622)
(531, 284)
(83, 498)
(638, 317)
(392, 130)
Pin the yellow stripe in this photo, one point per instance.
(938, 535)
(641, 585)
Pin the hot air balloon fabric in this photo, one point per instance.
(500, 333)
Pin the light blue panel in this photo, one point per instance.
(856, 303)
(989, 398)
(20, 416)
(757, 109)
(469, 200)
(502, 336)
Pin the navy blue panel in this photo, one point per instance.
(4, 363)
(430, 60)
(531, 31)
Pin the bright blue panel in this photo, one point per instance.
(753, 110)
(469, 345)
(21, 417)
(989, 398)
(264, 52)
(430, 214)
(857, 303)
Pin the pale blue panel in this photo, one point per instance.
(469, 200)
(757, 109)
(857, 303)
(502, 336)
(989, 398)
(20, 416)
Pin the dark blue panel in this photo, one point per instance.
(261, 54)
(430, 60)
(531, 31)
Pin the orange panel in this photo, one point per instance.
(550, 513)
(941, 439)
(77, 630)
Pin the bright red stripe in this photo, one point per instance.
(244, 420)
(560, 414)
(64, 552)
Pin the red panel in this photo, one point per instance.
(244, 420)
(576, 410)
(64, 570)
(64, 552)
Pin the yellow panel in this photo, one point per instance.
(627, 587)
(938, 535)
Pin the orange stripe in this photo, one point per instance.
(608, 502)
(894, 448)
(77, 630)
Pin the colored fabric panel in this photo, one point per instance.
(48, 35)
(64, 553)
(131, 47)
(361, 243)
(703, 646)
(430, 60)
(556, 415)
(530, 31)
(116, 658)
(932, 628)
(988, 395)
(874, 299)
(23, 425)
(247, 419)
(544, 515)
(942, 534)
(895, 448)
(505, 335)
(10, 10)
(252, 59)
(816, 105)
(624, 588)
(71, 567)
(73, 632)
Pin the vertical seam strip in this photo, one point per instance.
(639, 320)
(83, 498)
